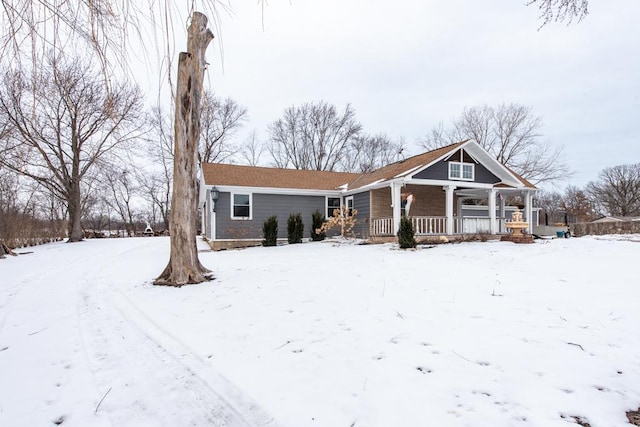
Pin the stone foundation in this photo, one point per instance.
(522, 238)
(221, 245)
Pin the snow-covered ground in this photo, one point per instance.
(323, 334)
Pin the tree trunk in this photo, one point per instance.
(75, 214)
(184, 266)
(5, 250)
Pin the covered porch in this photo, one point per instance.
(438, 210)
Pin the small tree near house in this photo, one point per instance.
(406, 234)
(270, 231)
(344, 219)
(317, 219)
(295, 228)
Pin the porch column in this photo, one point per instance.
(501, 213)
(449, 207)
(396, 205)
(528, 211)
(492, 211)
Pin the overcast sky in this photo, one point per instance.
(405, 66)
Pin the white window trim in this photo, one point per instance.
(326, 204)
(242, 218)
(347, 200)
(461, 177)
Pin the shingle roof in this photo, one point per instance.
(393, 170)
(254, 176)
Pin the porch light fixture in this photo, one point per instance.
(215, 194)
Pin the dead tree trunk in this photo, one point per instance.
(5, 250)
(184, 266)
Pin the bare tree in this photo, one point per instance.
(252, 150)
(576, 205)
(156, 179)
(509, 132)
(184, 267)
(561, 10)
(120, 190)
(313, 136)
(551, 204)
(64, 121)
(367, 153)
(617, 190)
(437, 137)
(221, 118)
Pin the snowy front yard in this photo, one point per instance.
(323, 334)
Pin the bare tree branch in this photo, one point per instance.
(510, 133)
(367, 153)
(220, 120)
(252, 150)
(561, 10)
(313, 136)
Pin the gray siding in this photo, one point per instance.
(440, 171)
(362, 203)
(264, 206)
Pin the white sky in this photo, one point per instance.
(408, 65)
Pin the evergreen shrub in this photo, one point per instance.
(295, 228)
(406, 234)
(317, 219)
(270, 231)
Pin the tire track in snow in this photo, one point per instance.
(16, 285)
(39, 306)
(154, 379)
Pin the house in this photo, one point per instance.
(616, 219)
(430, 187)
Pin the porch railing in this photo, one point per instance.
(382, 227)
(429, 224)
(425, 225)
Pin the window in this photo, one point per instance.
(241, 206)
(467, 171)
(333, 203)
(462, 171)
(349, 201)
(454, 170)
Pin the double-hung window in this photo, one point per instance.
(461, 171)
(241, 206)
(333, 203)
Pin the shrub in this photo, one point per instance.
(344, 219)
(270, 231)
(317, 219)
(406, 234)
(295, 228)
